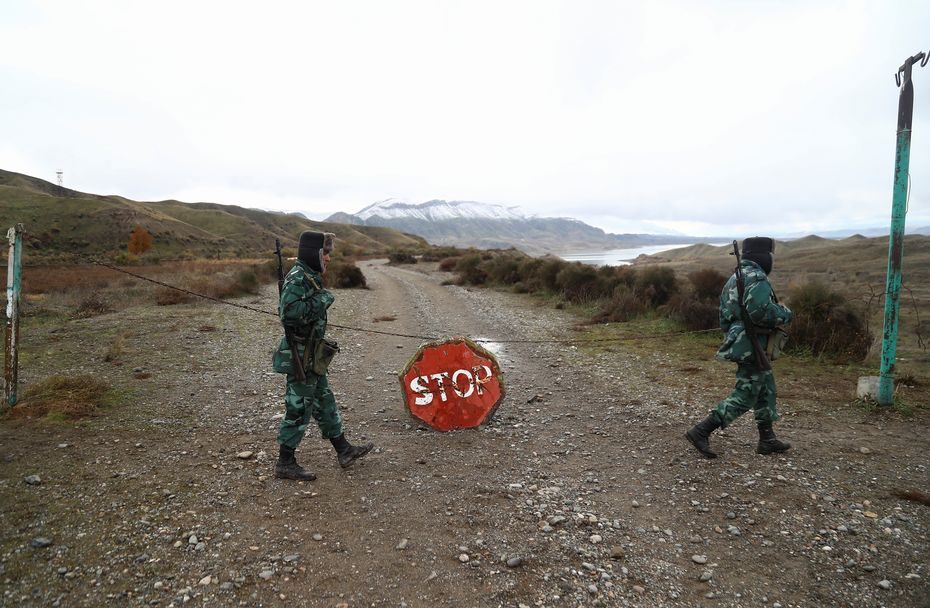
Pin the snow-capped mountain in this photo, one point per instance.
(439, 210)
(484, 225)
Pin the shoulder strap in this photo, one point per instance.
(313, 282)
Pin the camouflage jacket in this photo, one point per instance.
(302, 310)
(763, 309)
(304, 302)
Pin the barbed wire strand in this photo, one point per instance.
(401, 335)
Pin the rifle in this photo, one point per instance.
(277, 250)
(291, 342)
(762, 361)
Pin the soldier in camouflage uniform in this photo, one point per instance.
(302, 309)
(755, 387)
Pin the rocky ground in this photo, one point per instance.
(581, 492)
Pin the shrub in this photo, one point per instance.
(170, 297)
(401, 257)
(345, 275)
(707, 284)
(579, 283)
(699, 309)
(125, 259)
(61, 397)
(448, 264)
(140, 241)
(247, 281)
(622, 306)
(91, 306)
(825, 323)
(470, 271)
(545, 274)
(693, 312)
(655, 285)
(503, 269)
(437, 254)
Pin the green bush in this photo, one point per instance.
(825, 323)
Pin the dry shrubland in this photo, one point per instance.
(825, 324)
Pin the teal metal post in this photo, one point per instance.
(896, 238)
(14, 278)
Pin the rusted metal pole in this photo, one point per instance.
(14, 277)
(896, 238)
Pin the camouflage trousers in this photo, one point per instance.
(303, 400)
(755, 390)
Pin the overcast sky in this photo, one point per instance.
(699, 117)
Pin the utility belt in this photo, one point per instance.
(318, 353)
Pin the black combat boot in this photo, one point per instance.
(768, 443)
(287, 467)
(348, 453)
(699, 435)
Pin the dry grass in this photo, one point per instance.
(87, 290)
(60, 398)
(116, 348)
(91, 306)
(170, 297)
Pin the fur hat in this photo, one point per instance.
(761, 250)
(312, 246)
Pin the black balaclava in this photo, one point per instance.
(761, 250)
(312, 246)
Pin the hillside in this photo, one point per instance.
(64, 222)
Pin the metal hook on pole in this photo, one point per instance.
(920, 58)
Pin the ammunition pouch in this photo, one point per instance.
(777, 339)
(324, 350)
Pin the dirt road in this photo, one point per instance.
(581, 491)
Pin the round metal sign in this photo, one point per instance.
(450, 385)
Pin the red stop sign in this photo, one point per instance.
(454, 384)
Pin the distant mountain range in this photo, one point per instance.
(869, 232)
(488, 226)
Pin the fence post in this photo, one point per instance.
(14, 275)
(896, 238)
